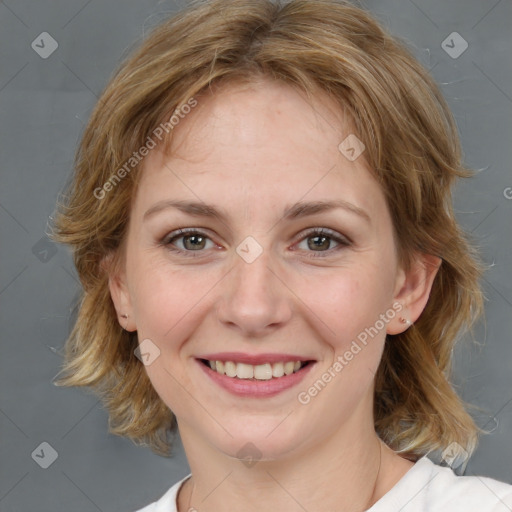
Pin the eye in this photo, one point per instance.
(319, 240)
(190, 240)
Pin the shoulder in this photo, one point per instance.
(167, 503)
(451, 492)
(428, 487)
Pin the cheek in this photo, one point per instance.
(169, 307)
(348, 300)
(349, 306)
(167, 301)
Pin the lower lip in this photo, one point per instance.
(256, 388)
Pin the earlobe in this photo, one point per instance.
(414, 291)
(119, 293)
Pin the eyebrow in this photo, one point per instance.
(298, 210)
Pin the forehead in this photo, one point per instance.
(248, 116)
(259, 143)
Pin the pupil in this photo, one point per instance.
(195, 245)
(319, 245)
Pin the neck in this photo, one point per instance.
(355, 467)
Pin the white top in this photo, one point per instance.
(426, 487)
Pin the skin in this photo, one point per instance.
(253, 151)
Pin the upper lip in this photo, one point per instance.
(253, 359)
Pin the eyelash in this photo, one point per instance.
(180, 233)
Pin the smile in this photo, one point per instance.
(265, 371)
(254, 376)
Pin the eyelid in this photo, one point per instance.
(184, 231)
(335, 235)
(180, 233)
(342, 241)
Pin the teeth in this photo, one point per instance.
(265, 371)
(244, 371)
(288, 367)
(277, 369)
(230, 369)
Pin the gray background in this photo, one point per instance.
(44, 105)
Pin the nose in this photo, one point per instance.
(254, 298)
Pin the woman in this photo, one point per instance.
(262, 223)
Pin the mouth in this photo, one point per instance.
(259, 372)
(255, 376)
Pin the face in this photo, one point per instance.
(273, 278)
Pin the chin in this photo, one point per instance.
(259, 439)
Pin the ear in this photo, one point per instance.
(413, 290)
(119, 291)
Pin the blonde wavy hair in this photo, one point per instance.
(412, 146)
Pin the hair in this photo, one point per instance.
(412, 148)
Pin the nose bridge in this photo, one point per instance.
(253, 297)
(253, 270)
